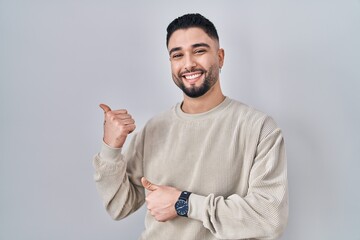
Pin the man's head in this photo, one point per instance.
(195, 56)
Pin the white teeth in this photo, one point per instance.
(189, 77)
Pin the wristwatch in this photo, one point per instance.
(181, 205)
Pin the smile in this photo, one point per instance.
(192, 77)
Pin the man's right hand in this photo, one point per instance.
(117, 125)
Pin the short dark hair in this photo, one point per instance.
(192, 20)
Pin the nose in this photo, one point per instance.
(190, 63)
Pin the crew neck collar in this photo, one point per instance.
(189, 116)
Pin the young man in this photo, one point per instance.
(209, 168)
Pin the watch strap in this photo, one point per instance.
(185, 195)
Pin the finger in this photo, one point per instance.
(148, 185)
(127, 129)
(127, 121)
(120, 111)
(105, 107)
(132, 128)
(123, 116)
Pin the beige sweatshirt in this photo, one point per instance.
(231, 158)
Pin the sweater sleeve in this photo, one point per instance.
(117, 178)
(263, 212)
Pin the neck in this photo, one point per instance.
(204, 103)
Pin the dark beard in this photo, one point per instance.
(193, 91)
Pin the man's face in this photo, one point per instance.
(195, 61)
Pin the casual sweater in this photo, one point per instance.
(231, 158)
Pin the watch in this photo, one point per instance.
(181, 205)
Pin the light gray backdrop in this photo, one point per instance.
(296, 60)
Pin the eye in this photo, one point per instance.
(200, 51)
(176, 56)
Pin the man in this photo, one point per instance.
(209, 168)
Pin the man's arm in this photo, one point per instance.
(116, 177)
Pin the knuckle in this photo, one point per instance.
(108, 114)
(112, 117)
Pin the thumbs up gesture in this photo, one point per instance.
(118, 124)
(161, 200)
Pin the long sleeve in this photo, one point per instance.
(231, 158)
(263, 212)
(118, 178)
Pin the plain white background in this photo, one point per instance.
(298, 61)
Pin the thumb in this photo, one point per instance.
(148, 185)
(105, 107)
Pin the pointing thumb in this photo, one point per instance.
(105, 107)
(148, 185)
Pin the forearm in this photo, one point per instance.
(234, 217)
(119, 194)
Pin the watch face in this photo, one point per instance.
(181, 207)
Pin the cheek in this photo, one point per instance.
(206, 62)
(175, 68)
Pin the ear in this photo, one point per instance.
(221, 56)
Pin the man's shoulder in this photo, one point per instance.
(253, 118)
(246, 111)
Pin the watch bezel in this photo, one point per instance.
(182, 207)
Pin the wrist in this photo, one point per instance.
(113, 143)
(109, 153)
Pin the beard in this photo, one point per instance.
(194, 91)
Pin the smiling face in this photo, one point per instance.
(195, 61)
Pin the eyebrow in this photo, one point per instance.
(201, 45)
(174, 50)
(193, 46)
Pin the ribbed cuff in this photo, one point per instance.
(109, 154)
(196, 207)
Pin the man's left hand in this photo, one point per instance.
(161, 200)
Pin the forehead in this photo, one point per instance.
(187, 37)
